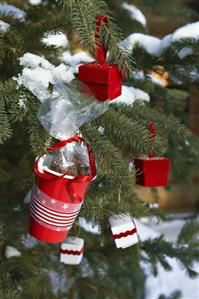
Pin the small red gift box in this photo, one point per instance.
(102, 79)
(56, 201)
(152, 172)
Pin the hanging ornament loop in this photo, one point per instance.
(152, 138)
(101, 51)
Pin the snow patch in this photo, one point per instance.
(17, 209)
(155, 286)
(11, 10)
(156, 46)
(138, 75)
(130, 95)
(151, 44)
(28, 241)
(22, 102)
(38, 73)
(166, 41)
(58, 281)
(131, 167)
(187, 31)
(184, 52)
(27, 198)
(11, 251)
(135, 13)
(101, 130)
(77, 58)
(35, 2)
(4, 26)
(32, 61)
(89, 226)
(153, 205)
(58, 39)
(144, 231)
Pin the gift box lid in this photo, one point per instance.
(73, 243)
(153, 164)
(106, 73)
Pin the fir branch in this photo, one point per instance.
(174, 295)
(109, 159)
(39, 138)
(2, 47)
(163, 122)
(189, 232)
(119, 54)
(5, 127)
(158, 248)
(127, 131)
(7, 90)
(10, 294)
(83, 17)
(83, 22)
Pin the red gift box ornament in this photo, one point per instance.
(56, 200)
(152, 171)
(102, 79)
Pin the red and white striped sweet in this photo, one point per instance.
(124, 230)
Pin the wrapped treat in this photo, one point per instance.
(72, 160)
(67, 110)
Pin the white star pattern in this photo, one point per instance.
(58, 229)
(43, 201)
(53, 201)
(65, 206)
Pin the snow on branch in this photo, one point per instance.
(130, 95)
(58, 39)
(38, 73)
(4, 26)
(151, 44)
(156, 46)
(11, 10)
(134, 13)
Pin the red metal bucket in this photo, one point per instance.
(56, 201)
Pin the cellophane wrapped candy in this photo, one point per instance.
(67, 110)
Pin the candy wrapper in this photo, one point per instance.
(68, 109)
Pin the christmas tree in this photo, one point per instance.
(42, 43)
